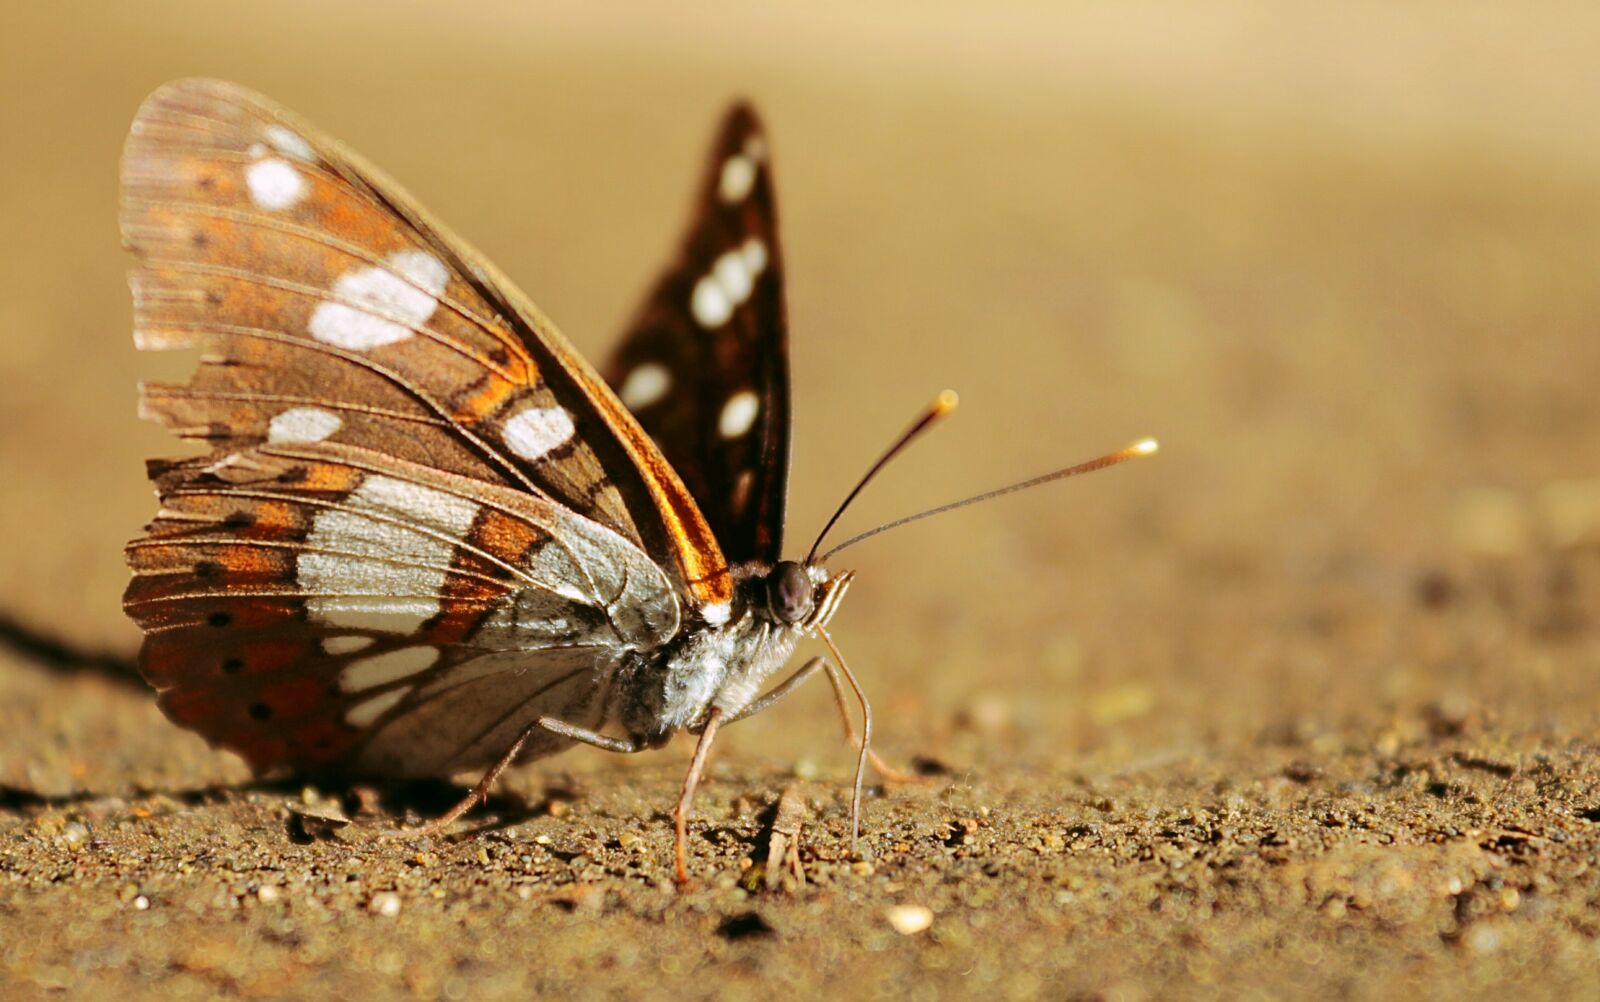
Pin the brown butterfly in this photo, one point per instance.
(426, 536)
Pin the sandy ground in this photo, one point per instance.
(1304, 707)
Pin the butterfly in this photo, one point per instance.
(425, 536)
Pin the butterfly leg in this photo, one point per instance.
(588, 737)
(889, 773)
(820, 663)
(680, 815)
(477, 795)
(480, 792)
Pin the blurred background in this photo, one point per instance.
(1340, 259)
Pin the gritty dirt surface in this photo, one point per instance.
(1304, 707)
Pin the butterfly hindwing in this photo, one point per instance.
(704, 365)
(318, 604)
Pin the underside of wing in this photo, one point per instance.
(328, 307)
(705, 364)
(465, 717)
(306, 602)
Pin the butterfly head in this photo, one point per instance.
(803, 595)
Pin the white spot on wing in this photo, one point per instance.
(741, 491)
(381, 669)
(710, 304)
(286, 140)
(302, 424)
(378, 562)
(364, 713)
(227, 462)
(754, 253)
(345, 644)
(275, 184)
(731, 280)
(738, 414)
(738, 177)
(645, 385)
(533, 432)
(381, 304)
(734, 276)
(717, 613)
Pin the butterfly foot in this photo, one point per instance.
(439, 826)
(680, 845)
(475, 796)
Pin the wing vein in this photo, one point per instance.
(298, 548)
(188, 392)
(239, 592)
(319, 236)
(489, 452)
(516, 708)
(310, 291)
(366, 513)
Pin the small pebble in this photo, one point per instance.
(1483, 938)
(385, 903)
(908, 920)
(989, 713)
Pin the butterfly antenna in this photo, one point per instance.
(1143, 447)
(943, 404)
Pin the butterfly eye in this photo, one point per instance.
(790, 596)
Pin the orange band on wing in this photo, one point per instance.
(467, 597)
(700, 558)
(492, 396)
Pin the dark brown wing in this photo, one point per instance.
(329, 306)
(705, 366)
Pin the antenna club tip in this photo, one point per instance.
(946, 401)
(1145, 447)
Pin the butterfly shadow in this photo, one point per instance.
(415, 802)
(57, 655)
(17, 799)
(392, 802)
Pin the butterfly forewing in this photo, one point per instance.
(704, 365)
(328, 306)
